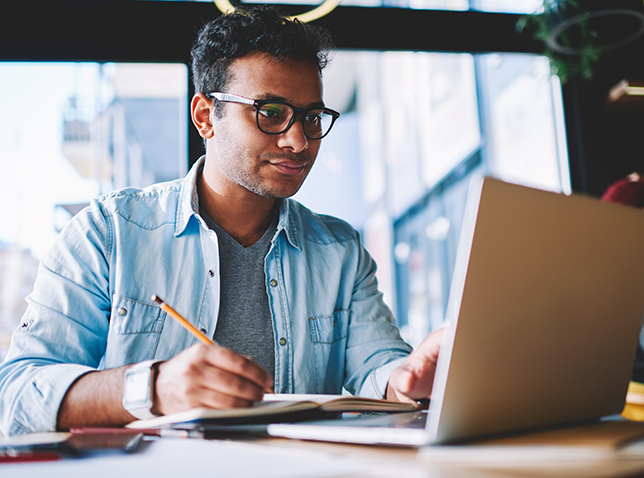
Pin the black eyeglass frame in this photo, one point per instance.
(301, 112)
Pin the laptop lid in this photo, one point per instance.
(544, 313)
(543, 320)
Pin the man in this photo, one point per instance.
(261, 274)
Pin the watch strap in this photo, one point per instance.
(143, 412)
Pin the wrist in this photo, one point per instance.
(138, 389)
(156, 401)
(389, 393)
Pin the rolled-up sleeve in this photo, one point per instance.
(374, 345)
(63, 333)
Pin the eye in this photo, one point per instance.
(272, 110)
(314, 116)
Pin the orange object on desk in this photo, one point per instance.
(634, 408)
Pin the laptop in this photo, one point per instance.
(543, 321)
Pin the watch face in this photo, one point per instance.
(137, 388)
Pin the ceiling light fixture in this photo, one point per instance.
(627, 94)
(327, 6)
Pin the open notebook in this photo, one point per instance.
(287, 407)
(543, 319)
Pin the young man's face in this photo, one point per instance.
(267, 165)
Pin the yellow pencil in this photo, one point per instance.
(187, 325)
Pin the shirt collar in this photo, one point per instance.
(289, 222)
(189, 206)
(188, 201)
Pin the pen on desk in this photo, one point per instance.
(187, 325)
(153, 432)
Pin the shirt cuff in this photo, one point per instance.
(43, 392)
(376, 385)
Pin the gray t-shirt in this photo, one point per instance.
(245, 324)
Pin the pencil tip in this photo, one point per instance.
(156, 299)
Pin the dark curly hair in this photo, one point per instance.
(249, 30)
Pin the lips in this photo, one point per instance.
(291, 168)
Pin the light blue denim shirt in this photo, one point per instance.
(91, 307)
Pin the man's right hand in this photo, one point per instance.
(207, 376)
(200, 376)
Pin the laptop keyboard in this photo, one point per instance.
(408, 420)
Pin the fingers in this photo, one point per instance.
(221, 358)
(415, 383)
(207, 376)
(398, 388)
(402, 380)
(414, 379)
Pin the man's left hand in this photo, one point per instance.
(413, 380)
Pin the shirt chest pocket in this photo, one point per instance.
(132, 317)
(329, 337)
(328, 330)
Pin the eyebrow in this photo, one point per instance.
(269, 97)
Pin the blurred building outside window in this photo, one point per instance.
(423, 125)
(68, 133)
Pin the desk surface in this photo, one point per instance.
(433, 462)
(269, 458)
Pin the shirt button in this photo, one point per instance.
(121, 311)
(273, 283)
(282, 341)
(211, 273)
(203, 331)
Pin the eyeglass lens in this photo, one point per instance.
(275, 118)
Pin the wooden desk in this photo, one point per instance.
(387, 462)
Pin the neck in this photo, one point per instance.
(244, 217)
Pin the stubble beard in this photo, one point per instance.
(235, 161)
(254, 182)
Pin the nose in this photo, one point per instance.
(294, 138)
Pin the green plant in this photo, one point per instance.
(570, 43)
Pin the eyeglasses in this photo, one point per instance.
(276, 117)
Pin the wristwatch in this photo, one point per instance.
(138, 389)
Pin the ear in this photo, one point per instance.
(201, 108)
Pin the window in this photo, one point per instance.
(415, 127)
(69, 132)
(507, 6)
